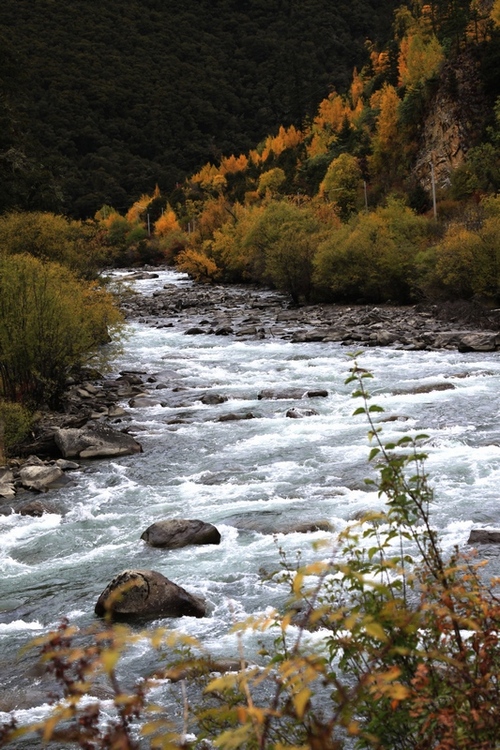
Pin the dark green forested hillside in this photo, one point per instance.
(101, 100)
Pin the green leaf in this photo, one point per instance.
(375, 407)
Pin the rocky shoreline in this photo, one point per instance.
(94, 421)
(250, 312)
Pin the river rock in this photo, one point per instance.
(7, 489)
(267, 522)
(66, 465)
(233, 417)
(95, 441)
(147, 594)
(180, 532)
(301, 413)
(479, 342)
(484, 536)
(35, 508)
(141, 402)
(210, 399)
(428, 388)
(291, 393)
(41, 478)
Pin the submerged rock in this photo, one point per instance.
(180, 532)
(301, 413)
(146, 594)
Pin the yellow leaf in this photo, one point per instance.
(300, 701)
(109, 660)
(297, 582)
(375, 630)
(398, 691)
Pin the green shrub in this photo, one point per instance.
(50, 237)
(373, 257)
(15, 423)
(50, 321)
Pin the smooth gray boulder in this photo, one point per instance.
(146, 594)
(7, 489)
(41, 478)
(95, 441)
(180, 532)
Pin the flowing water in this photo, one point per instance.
(278, 469)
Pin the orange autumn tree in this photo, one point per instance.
(387, 157)
(420, 53)
(167, 223)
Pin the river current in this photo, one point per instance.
(283, 471)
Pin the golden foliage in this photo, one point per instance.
(133, 215)
(275, 145)
(198, 265)
(167, 223)
(233, 164)
(419, 59)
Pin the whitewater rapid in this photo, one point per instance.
(282, 469)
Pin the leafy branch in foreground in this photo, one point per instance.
(404, 654)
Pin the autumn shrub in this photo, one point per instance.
(75, 244)
(372, 258)
(342, 185)
(198, 266)
(385, 643)
(15, 423)
(282, 242)
(50, 321)
(466, 262)
(171, 245)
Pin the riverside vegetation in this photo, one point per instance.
(55, 316)
(385, 643)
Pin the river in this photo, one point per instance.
(277, 470)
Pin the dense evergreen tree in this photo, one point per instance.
(99, 101)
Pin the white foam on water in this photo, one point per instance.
(290, 469)
(19, 626)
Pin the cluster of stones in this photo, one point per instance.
(253, 313)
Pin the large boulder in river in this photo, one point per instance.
(291, 393)
(146, 594)
(180, 532)
(484, 536)
(95, 441)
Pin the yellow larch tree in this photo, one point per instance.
(133, 215)
(167, 223)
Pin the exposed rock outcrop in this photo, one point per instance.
(455, 119)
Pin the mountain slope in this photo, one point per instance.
(109, 98)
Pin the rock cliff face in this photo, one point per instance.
(454, 122)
